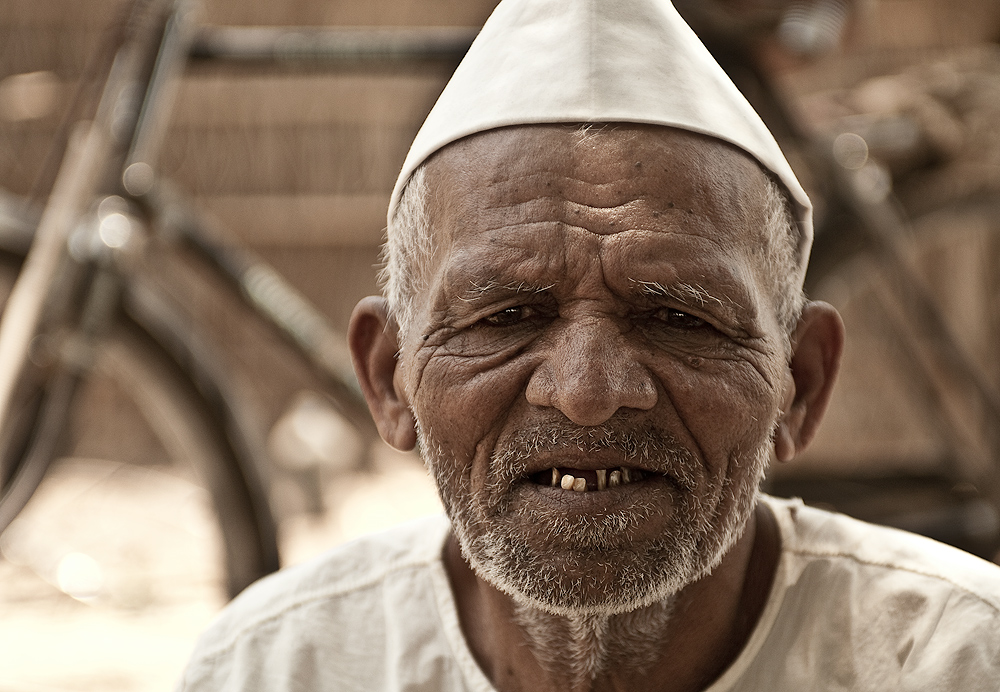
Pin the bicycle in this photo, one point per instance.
(94, 298)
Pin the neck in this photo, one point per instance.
(580, 649)
(683, 643)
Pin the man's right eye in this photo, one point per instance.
(507, 317)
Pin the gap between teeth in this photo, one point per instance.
(605, 479)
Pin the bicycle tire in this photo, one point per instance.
(223, 400)
(190, 412)
(182, 422)
(185, 423)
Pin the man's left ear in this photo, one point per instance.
(374, 340)
(817, 346)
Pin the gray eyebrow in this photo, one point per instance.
(684, 292)
(479, 290)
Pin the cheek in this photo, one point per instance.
(464, 402)
(725, 405)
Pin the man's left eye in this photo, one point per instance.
(507, 317)
(678, 319)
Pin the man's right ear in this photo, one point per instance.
(374, 341)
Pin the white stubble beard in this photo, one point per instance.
(566, 629)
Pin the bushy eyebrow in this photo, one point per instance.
(683, 292)
(483, 290)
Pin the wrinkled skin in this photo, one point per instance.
(608, 285)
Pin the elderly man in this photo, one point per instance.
(594, 329)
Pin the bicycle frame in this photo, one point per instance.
(73, 278)
(94, 153)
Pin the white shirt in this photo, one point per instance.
(853, 607)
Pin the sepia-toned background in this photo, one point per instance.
(111, 571)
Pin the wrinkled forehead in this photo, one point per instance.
(497, 176)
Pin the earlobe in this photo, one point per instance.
(817, 347)
(373, 337)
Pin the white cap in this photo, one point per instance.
(578, 61)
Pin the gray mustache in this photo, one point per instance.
(645, 445)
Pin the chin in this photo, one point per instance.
(576, 581)
(604, 572)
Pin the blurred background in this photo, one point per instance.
(116, 562)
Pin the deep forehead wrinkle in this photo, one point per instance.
(601, 208)
(569, 215)
(507, 233)
(577, 188)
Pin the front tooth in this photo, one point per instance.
(602, 479)
(555, 477)
(614, 478)
(567, 482)
(580, 485)
(626, 476)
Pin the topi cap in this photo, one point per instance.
(580, 61)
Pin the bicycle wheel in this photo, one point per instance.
(189, 429)
(167, 424)
(121, 541)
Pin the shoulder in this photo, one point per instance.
(336, 602)
(817, 535)
(879, 608)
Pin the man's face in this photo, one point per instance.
(596, 309)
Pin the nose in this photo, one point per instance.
(590, 372)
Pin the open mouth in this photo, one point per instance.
(586, 480)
